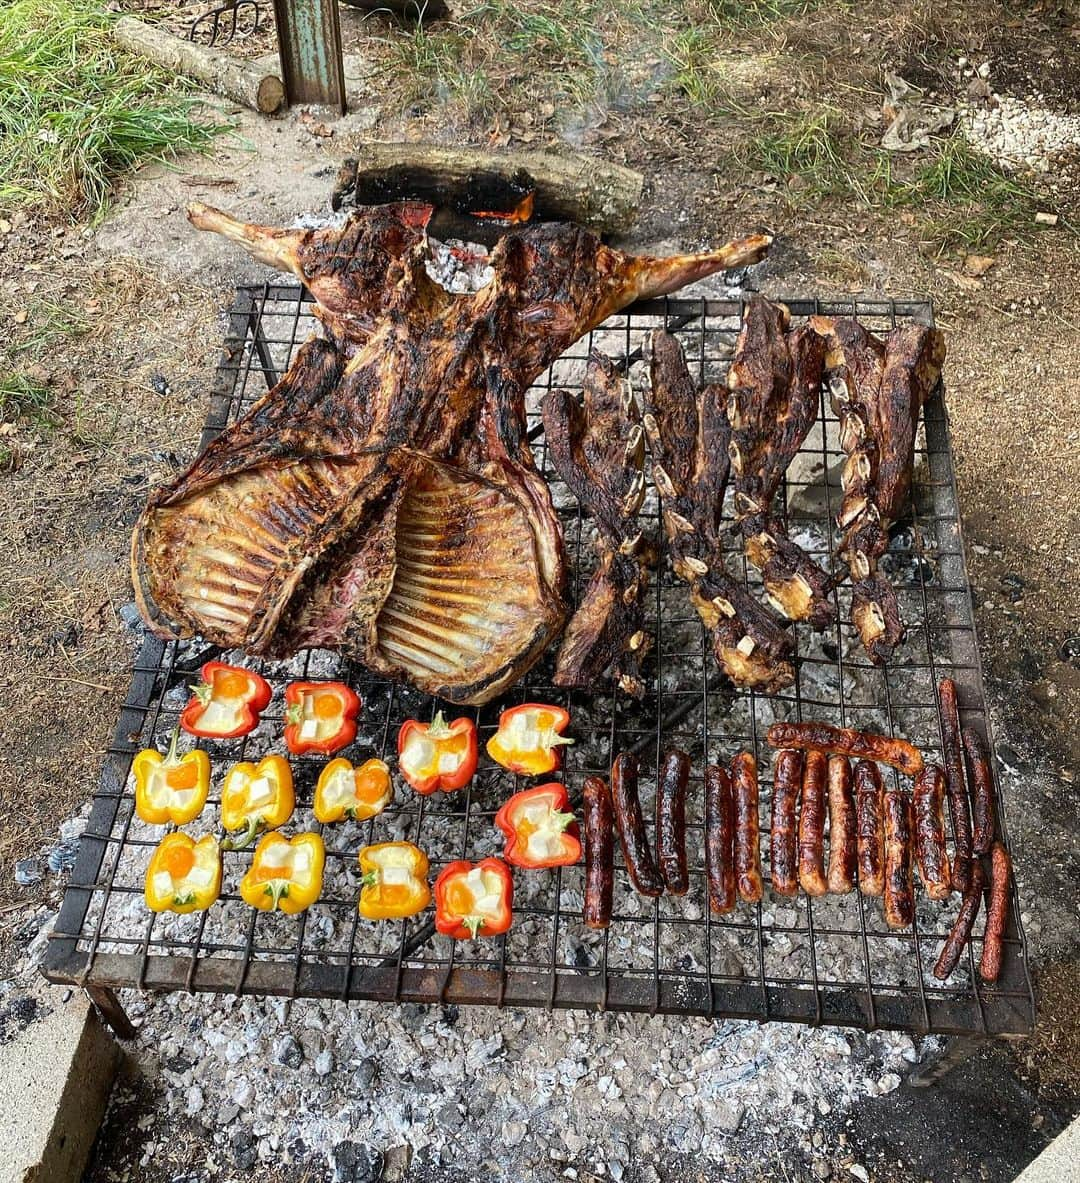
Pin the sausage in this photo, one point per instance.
(744, 783)
(841, 878)
(846, 741)
(899, 891)
(965, 922)
(671, 821)
(631, 826)
(930, 832)
(787, 785)
(599, 852)
(871, 836)
(996, 914)
(719, 839)
(812, 825)
(954, 778)
(981, 783)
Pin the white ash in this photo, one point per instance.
(1020, 134)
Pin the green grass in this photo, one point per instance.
(754, 14)
(23, 399)
(76, 113)
(47, 324)
(807, 146)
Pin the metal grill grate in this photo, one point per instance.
(828, 960)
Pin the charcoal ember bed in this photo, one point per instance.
(831, 960)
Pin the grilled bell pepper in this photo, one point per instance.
(540, 829)
(170, 788)
(256, 797)
(227, 702)
(529, 738)
(437, 755)
(285, 873)
(319, 717)
(474, 899)
(356, 793)
(183, 875)
(394, 878)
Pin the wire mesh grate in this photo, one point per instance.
(830, 959)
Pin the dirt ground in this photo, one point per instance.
(143, 300)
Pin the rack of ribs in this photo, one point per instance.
(877, 389)
(689, 434)
(774, 395)
(598, 448)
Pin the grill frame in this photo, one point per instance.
(83, 950)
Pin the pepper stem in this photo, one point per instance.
(562, 820)
(552, 739)
(278, 890)
(295, 713)
(251, 828)
(174, 739)
(437, 728)
(369, 879)
(203, 691)
(473, 924)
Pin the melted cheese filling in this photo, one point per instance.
(161, 796)
(286, 861)
(486, 888)
(545, 841)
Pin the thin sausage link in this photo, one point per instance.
(871, 834)
(599, 852)
(812, 825)
(954, 778)
(930, 851)
(720, 839)
(671, 785)
(747, 854)
(842, 833)
(631, 826)
(899, 889)
(997, 913)
(787, 785)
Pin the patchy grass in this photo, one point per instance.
(23, 398)
(76, 113)
(754, 14)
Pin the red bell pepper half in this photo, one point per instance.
(226, 702)
(437, 755)
(540, 828)
(319, 717)
(474, 899)
(529, 738)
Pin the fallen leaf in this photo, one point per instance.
(21, 316)
(967, 282)
(978, 264)
(5, 226)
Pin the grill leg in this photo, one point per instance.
(111, 1010)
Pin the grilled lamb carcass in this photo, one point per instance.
(775, 384)
(689, 435)
(382, 499)
(877, 389)
(599, 451)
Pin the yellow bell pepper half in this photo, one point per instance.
(170, 788)
(183, 875)
(356, 793)
(256, 797)
(285, 873)
(394, 877)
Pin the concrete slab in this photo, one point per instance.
(1059, 1162)
(57, 1075)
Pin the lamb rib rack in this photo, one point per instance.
(599, 451)
(382, 499)
(775, 385)
(877, 389)
(689, 435)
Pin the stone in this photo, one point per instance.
(28, 872)
(859, 1171)
(64, 1065)
(324, 1062)
(513, 1133)
(193, 1100)
(288, 1052)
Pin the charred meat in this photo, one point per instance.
(599, 451)
(689, 435)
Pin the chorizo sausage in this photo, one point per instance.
(599, 852)
(719, 839)
(930, 832)
(671, 821)
(899, 890)
(846, 741)
(870, 835)
(744, 782)
(981, 783)
(997, 913)
(958, 937)
(842, 840)
(787, 785)
(954, 779)
(812, 825)
(631, 826)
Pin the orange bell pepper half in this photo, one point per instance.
(183, 875)
(285, 873)
(319, 717)
(394, 878)
(355, 793)
(170, 788)
(529, 738)
(256, 797)
(226, 703)
(474, 899)
(437, 755)
(540, 829)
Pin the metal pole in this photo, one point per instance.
(309, 44)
